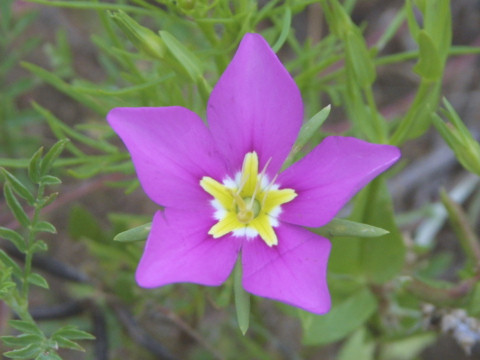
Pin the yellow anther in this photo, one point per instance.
(247, 205)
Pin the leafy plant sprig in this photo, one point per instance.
(15, 282)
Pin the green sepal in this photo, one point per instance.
(342, 227)
(139, 233)
(242, 299)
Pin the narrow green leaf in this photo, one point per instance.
(286, 23)
(67, 344)
(242, 299)
(308, 130)
(48, 199)
(49, 355)
(18, 187)
(188, 60)
(342, 227)
(343, 318)
(14, 205)
(7, 261)
(39, 246)
(359, 59)
(38, 280)
(34, 166)
(27, 327)
(21, 340)
(50, 180)
(139, 233)
(66, 88)
(27, 352)
(45, 226)
(51, 156)
(357, 347)
(429, 64)
(71, 332)
(14, 237)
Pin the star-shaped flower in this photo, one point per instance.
(223, 192)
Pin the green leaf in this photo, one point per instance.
(50, 180)
(66, 88)
(14, 237)
(406, 348)
(308, 130)
(142, 38)
(286, 25)
(48, 199)
(51, 156)
(38, 280)
(359, 59)
(429, 64)
(34, 166)
(357, 347)
(71, 332)
(18, 187)
(242, 299)
(7, 261)
(14, 205)
(27, 327)
(22, 340)
(474, 301)
(188, 60)
(67, 344)
(342, 227)
(39, 246)
(50, 355)
(139, 233)
(378, 259)
(27, 352)
(343, 318)
(45, 226)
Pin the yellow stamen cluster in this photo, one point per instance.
(249, 206)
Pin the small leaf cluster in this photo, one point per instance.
(33, 344)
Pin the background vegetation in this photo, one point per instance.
(397, 72)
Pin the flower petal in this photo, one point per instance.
(255, 106)
(171, 149)
(327, 178)
(293, 272)
(178, 249)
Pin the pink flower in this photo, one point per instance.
(223, 191)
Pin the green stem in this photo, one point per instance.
(29, 248)
(377, 122)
